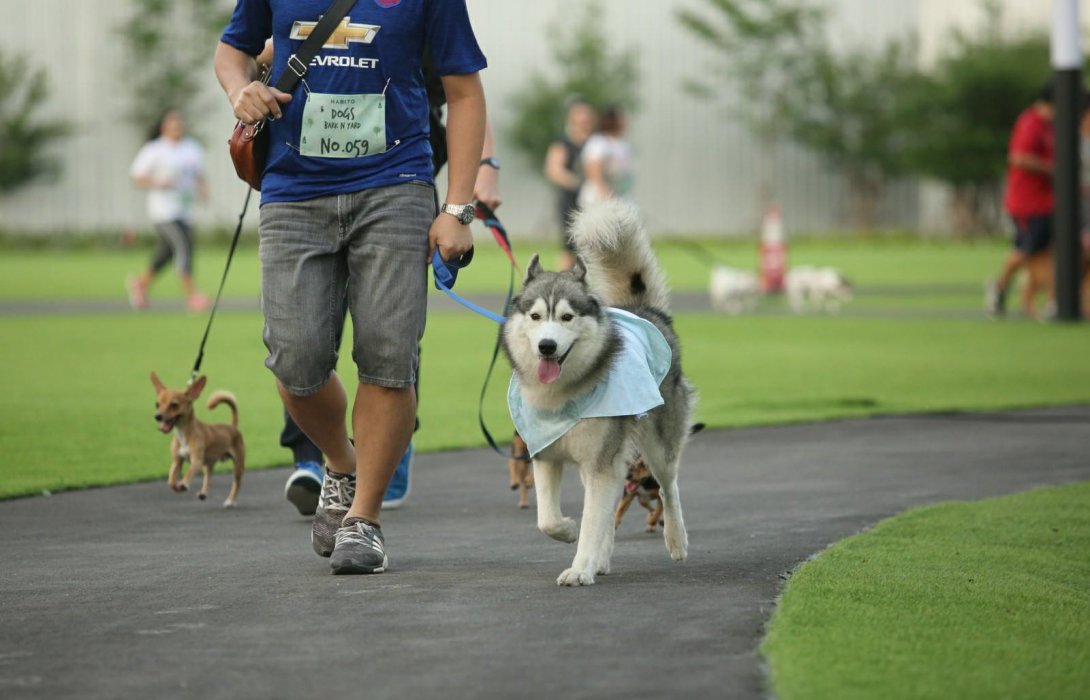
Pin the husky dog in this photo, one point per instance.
(570, 354)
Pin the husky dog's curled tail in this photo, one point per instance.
(623, 270)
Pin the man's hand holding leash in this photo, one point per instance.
(465, 141)
(451, 237)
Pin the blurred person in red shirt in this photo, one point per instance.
(1029, 198)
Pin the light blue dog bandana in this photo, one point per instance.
(630, 389)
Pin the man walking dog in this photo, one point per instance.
(348, 219)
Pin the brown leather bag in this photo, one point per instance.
(249, 146)
(249, 143)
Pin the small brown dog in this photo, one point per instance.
(640, 485)
(203, 444)
(522, 476)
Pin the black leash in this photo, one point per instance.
(500, 234)
(698, 251)
(226, 267)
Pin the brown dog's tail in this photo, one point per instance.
(228, 398)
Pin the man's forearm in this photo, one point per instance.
(1031, 163)
(465, 134)
(234, 69)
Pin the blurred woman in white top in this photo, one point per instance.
(171, 168)
(609, 166)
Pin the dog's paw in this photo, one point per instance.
(603, 569)
(649, 528)
(202, 496)
(564, 530)
(179, 488)
(575, 577)
(678, 547)
(229, 503)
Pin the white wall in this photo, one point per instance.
(696, 169)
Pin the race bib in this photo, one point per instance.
(343, 126)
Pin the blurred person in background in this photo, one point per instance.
(608, 161)
(564, 169)
(171, 167)
(1029, 197)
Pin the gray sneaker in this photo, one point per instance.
(360, 549)
(338, 490)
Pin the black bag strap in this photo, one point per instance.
(300, 60)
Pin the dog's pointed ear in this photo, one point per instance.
(155, 382)
(194, 390)
(533, 269)
(579, 269)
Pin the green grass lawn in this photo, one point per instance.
(100, 274)
(78, 406)
(77, 409)
(985, 600)
(960, 600)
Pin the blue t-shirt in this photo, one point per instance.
(380, 51)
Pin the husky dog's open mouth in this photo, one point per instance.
(548, 368)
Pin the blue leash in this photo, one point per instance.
(445, 273)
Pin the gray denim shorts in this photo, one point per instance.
(364, 252)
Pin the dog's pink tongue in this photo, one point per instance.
(548, 370)
(165, 427)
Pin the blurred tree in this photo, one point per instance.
(760, 48)
(24, 136)
(169, 45)
(589, 70)
(844, 105)
(975, 93)
(854, 108)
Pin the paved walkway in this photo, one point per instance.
(135, 592)
(680, 301)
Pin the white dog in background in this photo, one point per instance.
(816, 289)
(733, 291)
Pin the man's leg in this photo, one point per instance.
(1015, 261)
(386, 417)
(996, 295)
(305, 483)
(387, 296)
(321, 416)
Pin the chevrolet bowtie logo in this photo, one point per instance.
(344, 33)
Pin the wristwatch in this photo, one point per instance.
(491, 162)
(463, 212)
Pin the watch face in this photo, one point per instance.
(464, 213)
